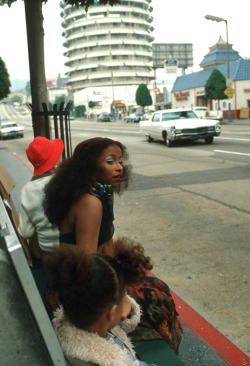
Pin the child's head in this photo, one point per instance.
(88, 284)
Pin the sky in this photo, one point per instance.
(179, 21)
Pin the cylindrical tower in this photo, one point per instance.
(108, 46)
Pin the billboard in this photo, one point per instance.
(179, 53)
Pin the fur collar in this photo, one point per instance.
(89, 347)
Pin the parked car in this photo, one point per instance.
(215, 115)
(201, 111)
(173, 125)
(133, 117)
(10, 129)
(147, 116)
(103, 117)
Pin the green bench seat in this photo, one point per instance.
(156, 352)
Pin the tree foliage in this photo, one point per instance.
(215, 86)
(143, 97)
(17, 99)
(27, 88)
(91, 104)
(4, 80)
(58, 100)
(80, 110)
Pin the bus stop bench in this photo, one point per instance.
(28, 337)
(156, 352)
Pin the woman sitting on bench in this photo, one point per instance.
(86, 323)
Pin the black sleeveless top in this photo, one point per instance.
(104, 193)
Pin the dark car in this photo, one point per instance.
(103, 117)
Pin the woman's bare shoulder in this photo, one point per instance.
(87, 202)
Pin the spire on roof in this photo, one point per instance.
(220, 44)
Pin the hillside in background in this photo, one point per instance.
(18, 85)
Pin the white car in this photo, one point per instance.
(201, 112)
(10, 129)
(173, 125)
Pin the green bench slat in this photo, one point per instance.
(156, 352)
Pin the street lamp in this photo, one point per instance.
(217, 19)
(112, 85)
(113, 96)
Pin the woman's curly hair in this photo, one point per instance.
(76, 175)
(88, 283)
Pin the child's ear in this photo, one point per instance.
(111, 313)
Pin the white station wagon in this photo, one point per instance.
(173, 125)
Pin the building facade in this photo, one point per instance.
(109, 51)
(189, 90)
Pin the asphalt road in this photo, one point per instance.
(190, 208)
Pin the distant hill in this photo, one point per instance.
(18, 85)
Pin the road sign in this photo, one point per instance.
(229, 82)
(229, 92)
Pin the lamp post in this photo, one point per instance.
(112, 85)
(217, 19)
(113, 96)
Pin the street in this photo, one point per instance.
(190, 208)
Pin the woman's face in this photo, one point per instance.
(110, 166)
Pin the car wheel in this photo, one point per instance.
(209, 140)
(169, 143)
(148, 138)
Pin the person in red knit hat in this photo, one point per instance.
(45, 156)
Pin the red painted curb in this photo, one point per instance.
(28, 166)
(222, 345)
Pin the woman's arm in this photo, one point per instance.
(87, 212)
(108, 248)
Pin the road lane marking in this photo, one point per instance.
(231, 152)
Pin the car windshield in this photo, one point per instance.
(178, 115)
(9, 125)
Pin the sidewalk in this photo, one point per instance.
(237, 122)
(202, 344)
